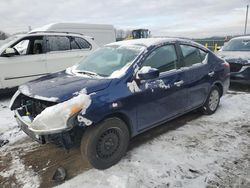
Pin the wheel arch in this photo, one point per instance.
(122, 117)
(220, 86)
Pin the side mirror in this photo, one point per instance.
(9, 52)
(147, 73)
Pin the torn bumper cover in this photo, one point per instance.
(43, 120)
(45, 136)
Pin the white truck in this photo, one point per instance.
(101, 33)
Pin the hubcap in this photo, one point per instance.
(108, 143)
(214, 100)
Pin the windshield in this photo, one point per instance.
(237, 45)
(107, 60)
(2, 42)
(7, 42)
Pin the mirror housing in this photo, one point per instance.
(148, 73)
(9, 52)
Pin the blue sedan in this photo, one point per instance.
(118, 92)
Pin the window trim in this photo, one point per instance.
(71, 38)
(177, 56)
(90, 46)
(182, 56)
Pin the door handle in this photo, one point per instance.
(211, 74)
(179, 83)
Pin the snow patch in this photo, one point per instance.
(24, 176)
(156, 84)
(189, 156)
(51, 99)
(146, 69)
(9, 129)
(133, 87)
(25, 90)
(121, 72)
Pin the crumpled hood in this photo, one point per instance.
(242, 57)
(60, 87)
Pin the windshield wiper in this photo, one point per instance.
(88, 73)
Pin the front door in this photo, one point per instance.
(164, 97)
(27, 64)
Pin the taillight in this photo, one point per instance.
(226, 65)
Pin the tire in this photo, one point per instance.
(212, 102)
(104, 144)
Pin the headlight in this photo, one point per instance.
(54, 119)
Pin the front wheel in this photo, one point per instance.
(103, 145)
(212, 101)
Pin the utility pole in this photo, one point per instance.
(245, 31)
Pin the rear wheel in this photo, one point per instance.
(212, 101)
(105, 144)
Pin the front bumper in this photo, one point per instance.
(25, 126)
(61, 138)
(243, 76)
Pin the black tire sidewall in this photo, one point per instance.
(206, 108)
(89, 148)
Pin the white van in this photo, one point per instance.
(101, 33)
(29, 56)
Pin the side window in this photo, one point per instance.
(203, 55)
(22, 47)
(191, 55)
(37, 47)
(163, 58)
(58, 43)
(73, 44)
(82, 43)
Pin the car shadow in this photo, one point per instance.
(240, 87)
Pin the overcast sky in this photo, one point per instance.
(190, 18)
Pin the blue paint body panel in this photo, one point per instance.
(151, 105)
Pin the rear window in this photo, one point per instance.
(82, 43)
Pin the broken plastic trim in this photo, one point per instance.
(44, 132)
(82, 119)
(13, 99)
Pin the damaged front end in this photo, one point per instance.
(46, 121)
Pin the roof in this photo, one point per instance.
(242, 37)
(151, 41)
(38, 33)
(67, 26)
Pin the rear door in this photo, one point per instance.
(65, 51)
(198, 75)
(166, 96)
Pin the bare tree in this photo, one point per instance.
(3, 35)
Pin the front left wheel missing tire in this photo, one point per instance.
(103, 145)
